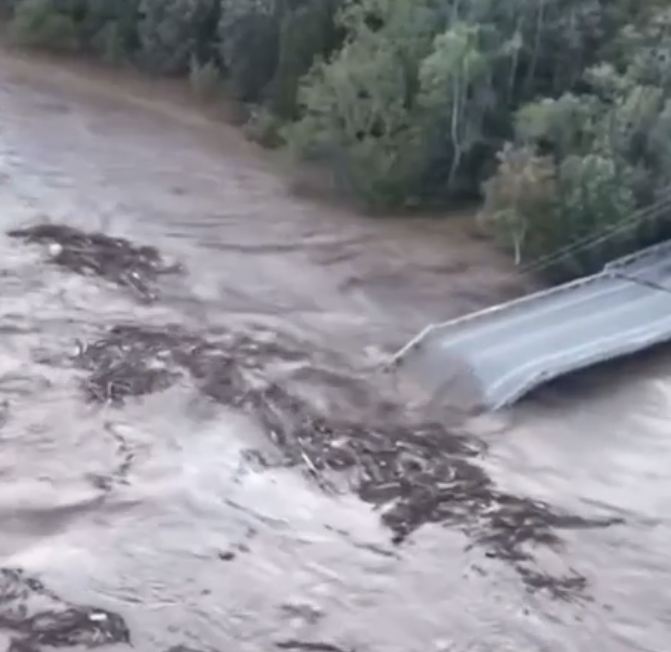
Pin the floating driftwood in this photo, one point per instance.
(415, 473)
(38, 619)
(117, 260)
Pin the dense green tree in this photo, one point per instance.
(307, 33)
(168, 32)
(557, 113)
(249, 35)
(606, 151)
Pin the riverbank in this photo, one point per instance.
(174, 100)
(473, 267)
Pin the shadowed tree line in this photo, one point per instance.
(555, 114)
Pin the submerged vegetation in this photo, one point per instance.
(555, 113)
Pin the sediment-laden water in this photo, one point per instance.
(198, 452)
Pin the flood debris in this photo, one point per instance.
(563, 588)
(309, 646)
(132, 361)
(37, 619)
(414, 473)
(117, 260)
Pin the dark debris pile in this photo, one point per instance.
(36, 619)
(132, 361)
(34, 628)
(95, 254)
(415, 473)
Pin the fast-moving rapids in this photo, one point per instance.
(197, 452)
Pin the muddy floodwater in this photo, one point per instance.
(199, 454)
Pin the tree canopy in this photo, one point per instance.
(554, 114)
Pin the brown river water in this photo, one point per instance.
(150, 524)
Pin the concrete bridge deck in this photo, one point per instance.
(509, 349)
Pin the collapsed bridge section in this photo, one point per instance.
(509, 349)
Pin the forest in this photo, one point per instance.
(554, 116)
